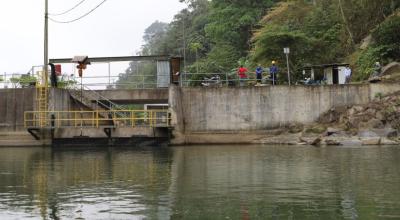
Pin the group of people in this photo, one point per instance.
(273, 74)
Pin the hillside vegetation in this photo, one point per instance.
(219, 35)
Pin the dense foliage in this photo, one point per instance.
(219, 35)
(325, 31)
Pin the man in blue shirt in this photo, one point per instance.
(273, 71)
(259, 72)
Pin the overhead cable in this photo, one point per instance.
(76, 19)
(65, 12)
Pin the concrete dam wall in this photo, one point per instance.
(13, 104)
(200, 113)
(217, 115)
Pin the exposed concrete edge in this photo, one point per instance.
(8, 144)
(220, 138)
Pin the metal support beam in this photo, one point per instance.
(35, 133)
(115, 59)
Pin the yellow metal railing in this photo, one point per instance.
(96, 119)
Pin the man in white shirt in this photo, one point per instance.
(347, 74)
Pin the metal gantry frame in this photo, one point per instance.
(114, 117)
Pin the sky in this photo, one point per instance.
(114, 29)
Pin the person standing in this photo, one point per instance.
(377, 69)
(259, 72)
(242, 75)
(273, 71)
(347, 74)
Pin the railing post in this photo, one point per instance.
(97, 119)
(133, 118)
(58, 122)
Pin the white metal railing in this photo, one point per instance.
(220, 79)
(138, 81)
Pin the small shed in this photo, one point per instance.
(332, 73)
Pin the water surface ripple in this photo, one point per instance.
(202, 182)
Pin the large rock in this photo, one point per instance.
(316, 129)
(356, 120)
(284, 139)
(371, 140)
(355, 110)
(387, 141)
(332, 131)
(295, 128)
(345, 141)
(380, 116)
(310, 140)
(370, 111)
(391, 68)
(367, 134)
(354, 141)
(351, 142)
(373, 123)
(366, 42)
(332, 142)
(384, 133)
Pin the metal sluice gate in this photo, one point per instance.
(97, 119)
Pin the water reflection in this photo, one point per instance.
(204, 182)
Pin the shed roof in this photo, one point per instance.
(325, 65)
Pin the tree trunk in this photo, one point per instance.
(346, 23)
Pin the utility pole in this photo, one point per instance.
(184, 49)
(286, 50)
(46, 39)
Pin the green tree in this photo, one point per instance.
(327, 31)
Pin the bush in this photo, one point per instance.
(24, 81)
(387, 35)
(365, 63)
(65, 84)
(386, 48)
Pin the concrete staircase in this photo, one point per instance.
(95, 101)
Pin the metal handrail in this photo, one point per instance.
(95, 96)
(93, 119)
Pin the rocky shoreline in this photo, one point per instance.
(377, 123)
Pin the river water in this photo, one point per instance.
(201, 182)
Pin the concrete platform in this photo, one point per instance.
(19, 139)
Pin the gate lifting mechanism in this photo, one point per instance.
(82, 62)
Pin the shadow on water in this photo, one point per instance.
(200, 182)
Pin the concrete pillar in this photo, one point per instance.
(177, 115)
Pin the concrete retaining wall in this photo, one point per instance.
(13, 104)
(136, 96)
(60, 100)
(247, 109)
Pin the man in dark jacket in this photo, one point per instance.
(273, 71)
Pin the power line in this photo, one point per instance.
(65, 12)
(76, 19)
